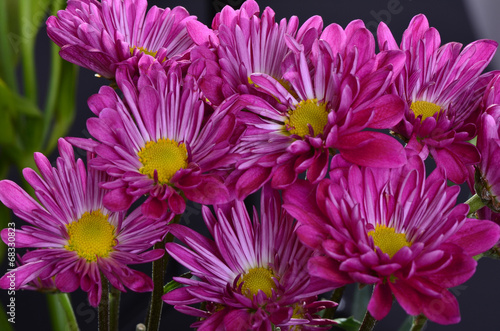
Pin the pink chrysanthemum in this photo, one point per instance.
(74, 237)
(99, 35)
(334, 92)
(442, 87)
(395, 229)
(252, 276)
(488, 143)
(160, 140)
(249, 42)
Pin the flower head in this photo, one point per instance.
(75, 239)
(160, 140)
(99, 35)
(334, 92)
(442, 86)
(251, 42)
(488, 143)
(395, 229)
(252, 274)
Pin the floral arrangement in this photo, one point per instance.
(330, 125)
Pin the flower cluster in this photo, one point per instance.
(333, 134)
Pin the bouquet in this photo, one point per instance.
(306, 147)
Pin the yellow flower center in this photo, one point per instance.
(164, 156)
(257, 279)
(424, 108)
(144, 50)
(307, 112)
(91, 236)
(388, 240)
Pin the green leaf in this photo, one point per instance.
(15, 104)
(7, 132)
(348, 324)
(65, 105)
(172, 285)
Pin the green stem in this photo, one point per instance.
(61, 312)
(475, 203)
(159, 268)
(7, 68)
(360, 301)
(336, 297)
(28, 52)
(114, 308)
(55, 80)
(368, 322)
(104, 305)
(418, 323)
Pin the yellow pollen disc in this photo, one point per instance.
(307, 112)
(91, 236)
(424, 108)
(257, 279)
(165, 156)
(388, 240)
(144, 50)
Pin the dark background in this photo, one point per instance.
(455, 20)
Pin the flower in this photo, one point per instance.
(442, 87)
(251, 275)
(488, 142)
(395, 229)
(334, 92)
(99, 35)
(76, 240)
(160, 140)
(248, 42)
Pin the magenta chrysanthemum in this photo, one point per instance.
(249, 42)
(99, 35)
(395, 229)
(334, 92)
(74, 237)
(442, 87)
(252, 276)
(488, 143)
(160, 140)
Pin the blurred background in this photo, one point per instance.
(461, 21)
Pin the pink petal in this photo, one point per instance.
(388, 110)
(67, 281)
(199, 32)
(137, 281)
(443, 310)
(251, 180)
(328, 269)
(476, 236)
(154, 208)
(372, 149)
(381, 301)
(180, 296)
(283, 176)
(209, 191)
(117, 200)
(238, 320)
(15, 198)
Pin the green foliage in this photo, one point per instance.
(172, 285)
(348, 324)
